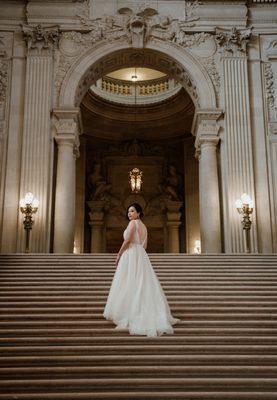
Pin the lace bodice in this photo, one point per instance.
(136, 232)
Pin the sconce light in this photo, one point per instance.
(245, 208)
(135, 180)
(28, 207)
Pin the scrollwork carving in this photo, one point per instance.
(211, 68)
(270, 89)
(3, 80)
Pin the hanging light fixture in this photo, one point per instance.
(135, 180)
(134, 77)
(135, 174)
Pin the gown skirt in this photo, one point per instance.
(136, 300)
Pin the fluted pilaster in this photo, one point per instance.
(37, 147)
(237, 155)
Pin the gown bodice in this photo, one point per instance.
(136, 231)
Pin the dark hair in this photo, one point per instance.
(138, 209)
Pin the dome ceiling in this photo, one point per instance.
(108, 120)
(143, 74)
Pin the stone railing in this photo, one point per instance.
(140, 92)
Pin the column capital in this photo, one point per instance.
(40, 40)
(206, 127)
(66, 126)
(233, 42)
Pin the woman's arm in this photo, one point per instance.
(125, 244)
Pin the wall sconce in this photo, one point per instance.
(28, 207)
(135, 180)
(245, 208)
(197, 247)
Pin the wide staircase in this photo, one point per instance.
(56, 345)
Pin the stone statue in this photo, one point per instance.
(97, 185)
(173, 185)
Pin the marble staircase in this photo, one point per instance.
(56, 345)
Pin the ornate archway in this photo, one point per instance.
(84, 58)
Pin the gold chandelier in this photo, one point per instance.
(135, 180)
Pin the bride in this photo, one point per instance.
(136, 300)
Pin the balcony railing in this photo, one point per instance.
(140, 92)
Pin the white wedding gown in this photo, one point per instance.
(136, 300)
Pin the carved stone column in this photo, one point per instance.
(173, 222)
(37, 145)
(97, 224)
(237, 152)
(5, 78)
(80, 198)
(67, 138)
(207, 139)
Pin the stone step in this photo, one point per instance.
(183, 308)
(130, 384)
(109, 274)
(103, 292)
(96, 332)
(185, 282)
(171, 349)
(97, 305)
(160, 395)
(131, 371)
(68, 340)
(56, 344)
(77, 286)
(183, 315)
(169, 262)
(170, 278)
(196, 323)
(139, 359)
(98, 298)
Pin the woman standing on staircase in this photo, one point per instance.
(136, 300)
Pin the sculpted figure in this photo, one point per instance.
(172, 185)
(97, 184)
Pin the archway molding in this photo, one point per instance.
(101, 59)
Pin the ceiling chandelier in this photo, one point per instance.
(135, 180)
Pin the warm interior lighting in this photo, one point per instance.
(197, 247)
(134, 78)
(28, 206)
(244, 202)
(135, 180)
(245, 207)
(29, 200)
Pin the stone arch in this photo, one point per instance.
(176, 61)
